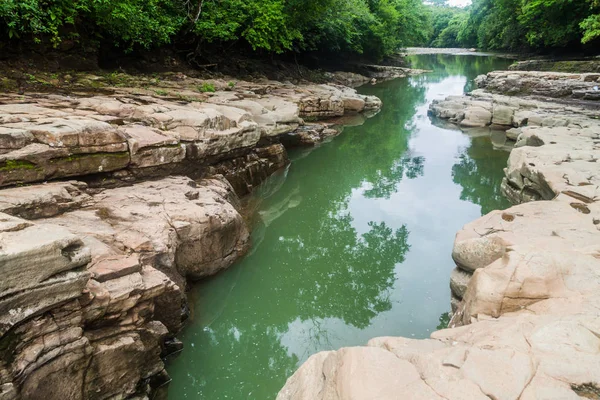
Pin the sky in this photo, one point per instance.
(459, 3)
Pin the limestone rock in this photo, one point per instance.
(557, 66)
(47, 137)
(183, 228)
(478, 251)
(43, 201)
(541, 83)
(459, 280)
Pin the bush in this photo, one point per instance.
(206, 88)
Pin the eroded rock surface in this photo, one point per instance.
(132, 134)
(526, 288)
(91, 291)
(95, 271)
(571, 66)
(541, 83)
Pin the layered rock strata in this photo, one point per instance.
(546, 84)
(576, 66)
(525, 291)
(93, 289)
(95, 268)
(130, 136)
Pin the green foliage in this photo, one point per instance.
(262, 23)
(444, 321)
(530, 24)
(446, 24)
(39, 17)
(591, 28)
(137, 22)
(552, 23)
(206, 88)
(374, 28)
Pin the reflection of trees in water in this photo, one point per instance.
(386, 182)
(445, 65)
(313, 264)
(480, 171)
(331, 272)
(344, 275)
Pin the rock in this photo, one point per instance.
(350, 79)
(571, 66)
(459, 280)
(554, 160)
(550, 249)
(547, 84)
(513, 133)
(356, 373)
(138, 136)
(476, 117)
(500, 359)
(479, 250)
(94, 312)
(150, 147)
(386, 72)
(307, 136)
(246, 172)
(43, 201)
(113, 267)
(94, 288)
(41, 267)
(503, 115)
(180, 234)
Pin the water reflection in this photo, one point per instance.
(350, 243)
(477, 171)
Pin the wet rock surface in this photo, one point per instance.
(95, 268)
(525, 290)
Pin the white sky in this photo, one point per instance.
(459, 3)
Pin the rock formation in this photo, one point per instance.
(577, 66)
(526, 288)
(95, 269)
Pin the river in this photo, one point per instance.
(351, 242)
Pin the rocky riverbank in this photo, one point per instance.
(525, 290)
(132, 190)
(576, 66)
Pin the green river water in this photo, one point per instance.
(351, 242)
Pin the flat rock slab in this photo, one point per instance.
(113, 267)
(540, 83)
(43, 201)
(31, 254)
(47, 137)
(175, 224)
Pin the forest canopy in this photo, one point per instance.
(368, 28)
(532, 25)
(374, 28)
